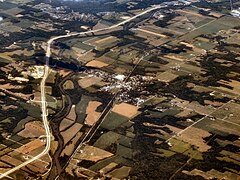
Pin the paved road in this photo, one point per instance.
(43, 82)
(45, 122)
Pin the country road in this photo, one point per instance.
(43, 83)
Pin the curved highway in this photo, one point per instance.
(43, 83)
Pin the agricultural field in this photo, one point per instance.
(119, 90)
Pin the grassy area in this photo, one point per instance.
(165, 153)
(227, 159)
(124, 151)
(184, 148)
(7, 5)
(218, 127)
(81, 108)
(107, 140)
(8, 55)
(33, 111)
(25, 24)
(201, 23)
(125, 141)
(113, 120)
(21, 124)
(210, 28)
(78, 43)
(101, 164)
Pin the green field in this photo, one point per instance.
(78, 43)
(113, 120)
(7, 5)
(107, 140)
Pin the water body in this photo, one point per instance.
(62, 65)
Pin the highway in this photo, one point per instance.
(44, 118)
(43, 83)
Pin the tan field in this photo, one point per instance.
(166, 77)
(153, 33)
(96, 64)
(184, 113)
(174, 57)
(125, 109)
(63, 72)
(8, 55)
(38, 166)
(120, 173)
(88, 81)
(173, 129)
(71, 132)
(195, 106)
(71, 146)
(16, 162)
(104, 39)
(94, 154)
(72, 114)
(5, 108)
(108, 168)
(4, 167)
(7, 86)
(10, 160)
(213, 103)
(195, 136)
(215, 14)
(27, 148)
(68, 85)
(212, 174)
(65, 123)
(92, 115)
(32, 129)
(234, 86)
